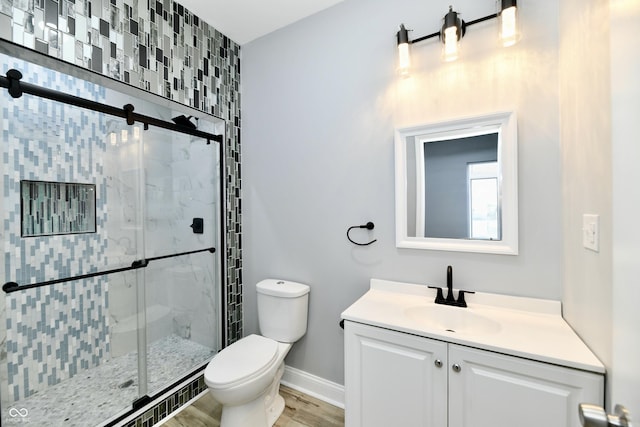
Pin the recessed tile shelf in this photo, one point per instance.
(49, 208)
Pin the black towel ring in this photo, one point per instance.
(369, 226)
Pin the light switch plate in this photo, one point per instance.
(591, 231)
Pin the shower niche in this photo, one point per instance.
(109, 296)
(49, 208)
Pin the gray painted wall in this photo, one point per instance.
(321, 99)
(587, 172)
(599, 110)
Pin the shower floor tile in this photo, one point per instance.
(97, 394)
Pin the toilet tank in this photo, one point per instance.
(282, 309)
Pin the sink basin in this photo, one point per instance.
(452, 319)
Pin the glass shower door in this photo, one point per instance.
(61, 196)
(181, 235)
(170, 220)
(85, 197)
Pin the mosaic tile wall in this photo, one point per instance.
(161, 47)
(52, 333)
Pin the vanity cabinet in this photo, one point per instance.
(395, 378)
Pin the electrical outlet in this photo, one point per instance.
(591, 232)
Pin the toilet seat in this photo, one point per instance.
(241, 361)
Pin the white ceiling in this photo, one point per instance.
(246, 20)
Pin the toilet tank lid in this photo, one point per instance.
(282, 288)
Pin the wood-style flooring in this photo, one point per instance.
(300, 410)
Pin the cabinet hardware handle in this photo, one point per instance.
(456, 367)
(438, 363)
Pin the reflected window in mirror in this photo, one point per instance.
(484, 203)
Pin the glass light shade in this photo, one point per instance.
(509, 32)
(404, 59)
(451, 46)
(451, 33)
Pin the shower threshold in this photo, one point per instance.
(97, 394)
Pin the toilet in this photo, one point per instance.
(245, 376)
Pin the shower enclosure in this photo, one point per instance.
(111, 235)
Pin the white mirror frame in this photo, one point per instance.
(505, 124)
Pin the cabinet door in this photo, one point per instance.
(393, 379)
(491, 389)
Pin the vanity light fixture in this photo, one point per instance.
(454, 28)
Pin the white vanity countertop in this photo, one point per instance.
(529, 328)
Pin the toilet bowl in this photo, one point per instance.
(245, 376)
(245, 379)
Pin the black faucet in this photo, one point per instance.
(450, 299)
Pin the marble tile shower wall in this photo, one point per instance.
(161, 47)
(52, 333)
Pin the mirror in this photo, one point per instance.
(456, 185)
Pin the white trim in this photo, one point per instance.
(314, 386)
(420, 190)
(505, 124)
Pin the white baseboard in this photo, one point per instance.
(314, 386)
